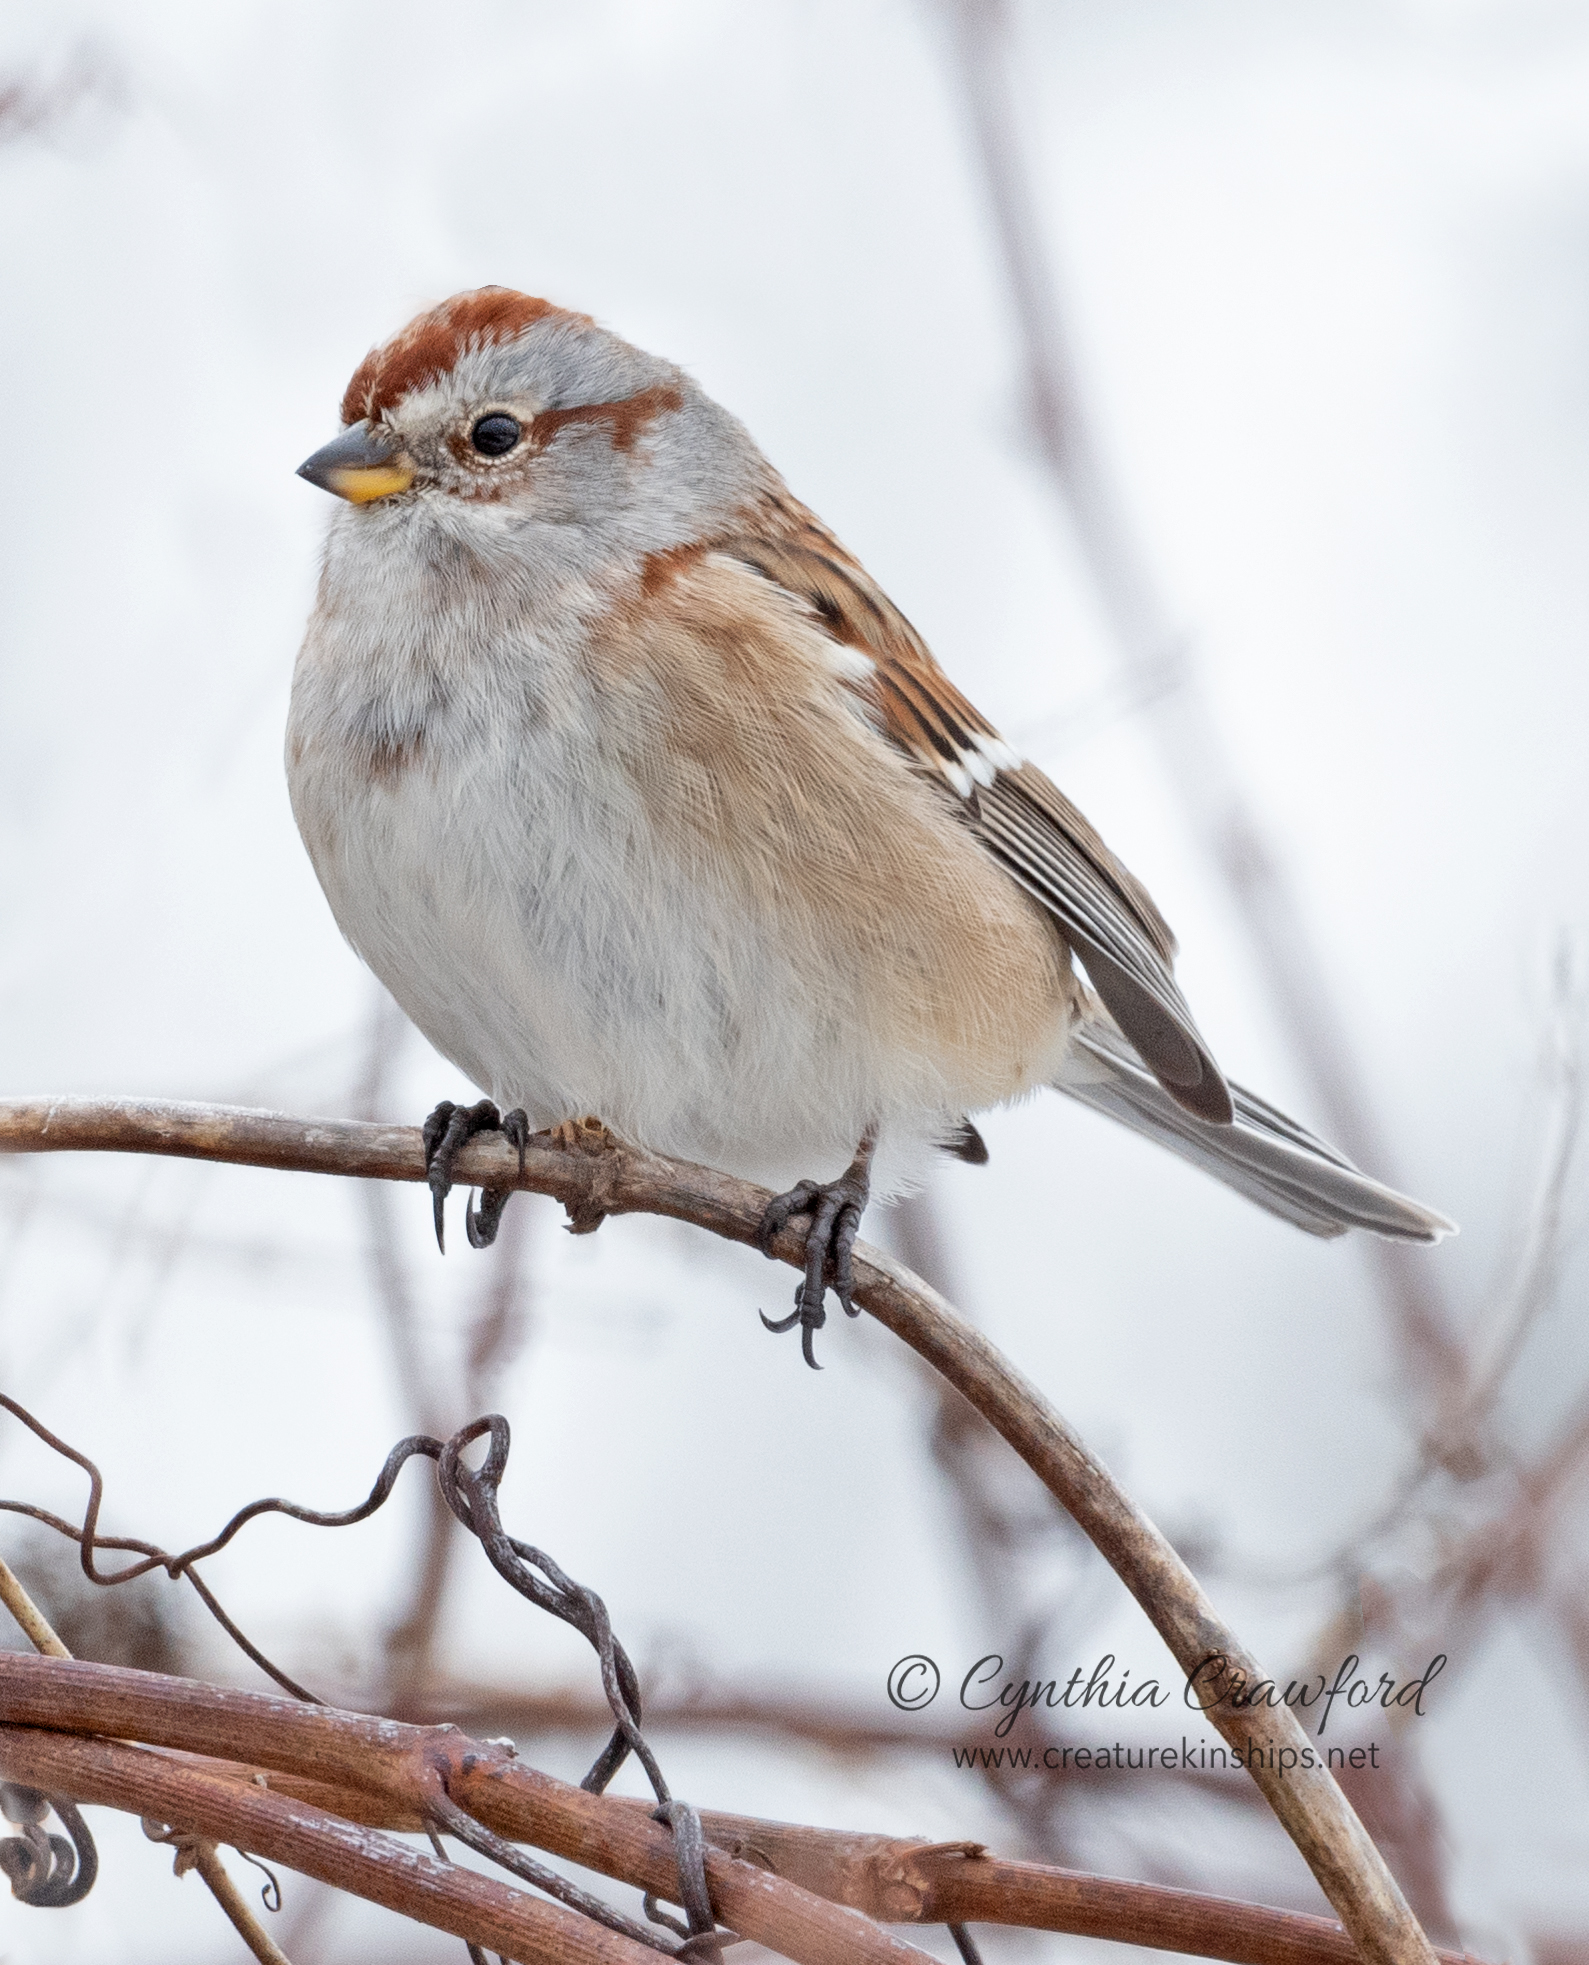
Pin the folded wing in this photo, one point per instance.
(1026, 823)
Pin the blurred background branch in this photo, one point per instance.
(1159, 679)
(1298, 305)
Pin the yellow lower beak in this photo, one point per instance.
(359, 466)
(360, 486)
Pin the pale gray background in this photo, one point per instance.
(1328, 267)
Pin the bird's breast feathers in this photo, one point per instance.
(650, 854)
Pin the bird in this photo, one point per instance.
(653, 812)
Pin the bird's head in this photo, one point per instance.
(498, 402)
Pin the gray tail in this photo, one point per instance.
(1262, 1153)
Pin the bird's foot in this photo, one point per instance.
(445, 1133)
(835, 1208)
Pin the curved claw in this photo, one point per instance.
(481, 1224)
(810, 1323)
(444, 1133)
(835, 1209)
(455, 1129)
(432, 1133)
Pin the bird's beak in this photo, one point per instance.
(359, 466)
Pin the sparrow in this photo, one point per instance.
(651, 809)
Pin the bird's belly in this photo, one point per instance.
(530, 927)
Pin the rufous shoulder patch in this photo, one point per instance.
(429, 346)
(658, 570)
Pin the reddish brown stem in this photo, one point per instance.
(597, 1176)
(317, 1844)
(340, 1769)
(403, 1765)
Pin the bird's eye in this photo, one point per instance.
(495, 436)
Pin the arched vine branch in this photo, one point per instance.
(593, 1177)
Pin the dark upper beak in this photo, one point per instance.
(360, 466)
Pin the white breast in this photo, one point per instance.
(484, 847)
(497, 874)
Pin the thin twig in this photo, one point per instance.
(194, 1852)
(226, 1893)
(498, 1709)
(35, 1625)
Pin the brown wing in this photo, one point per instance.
(1024, 820)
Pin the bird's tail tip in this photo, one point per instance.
(1262, 1153)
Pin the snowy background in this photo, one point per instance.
(1326, 268)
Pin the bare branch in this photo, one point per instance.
(596, 1177)
(956, 1883)
(35, 1625)
(358, 1860)
(407, 1768)
(767, 1878)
